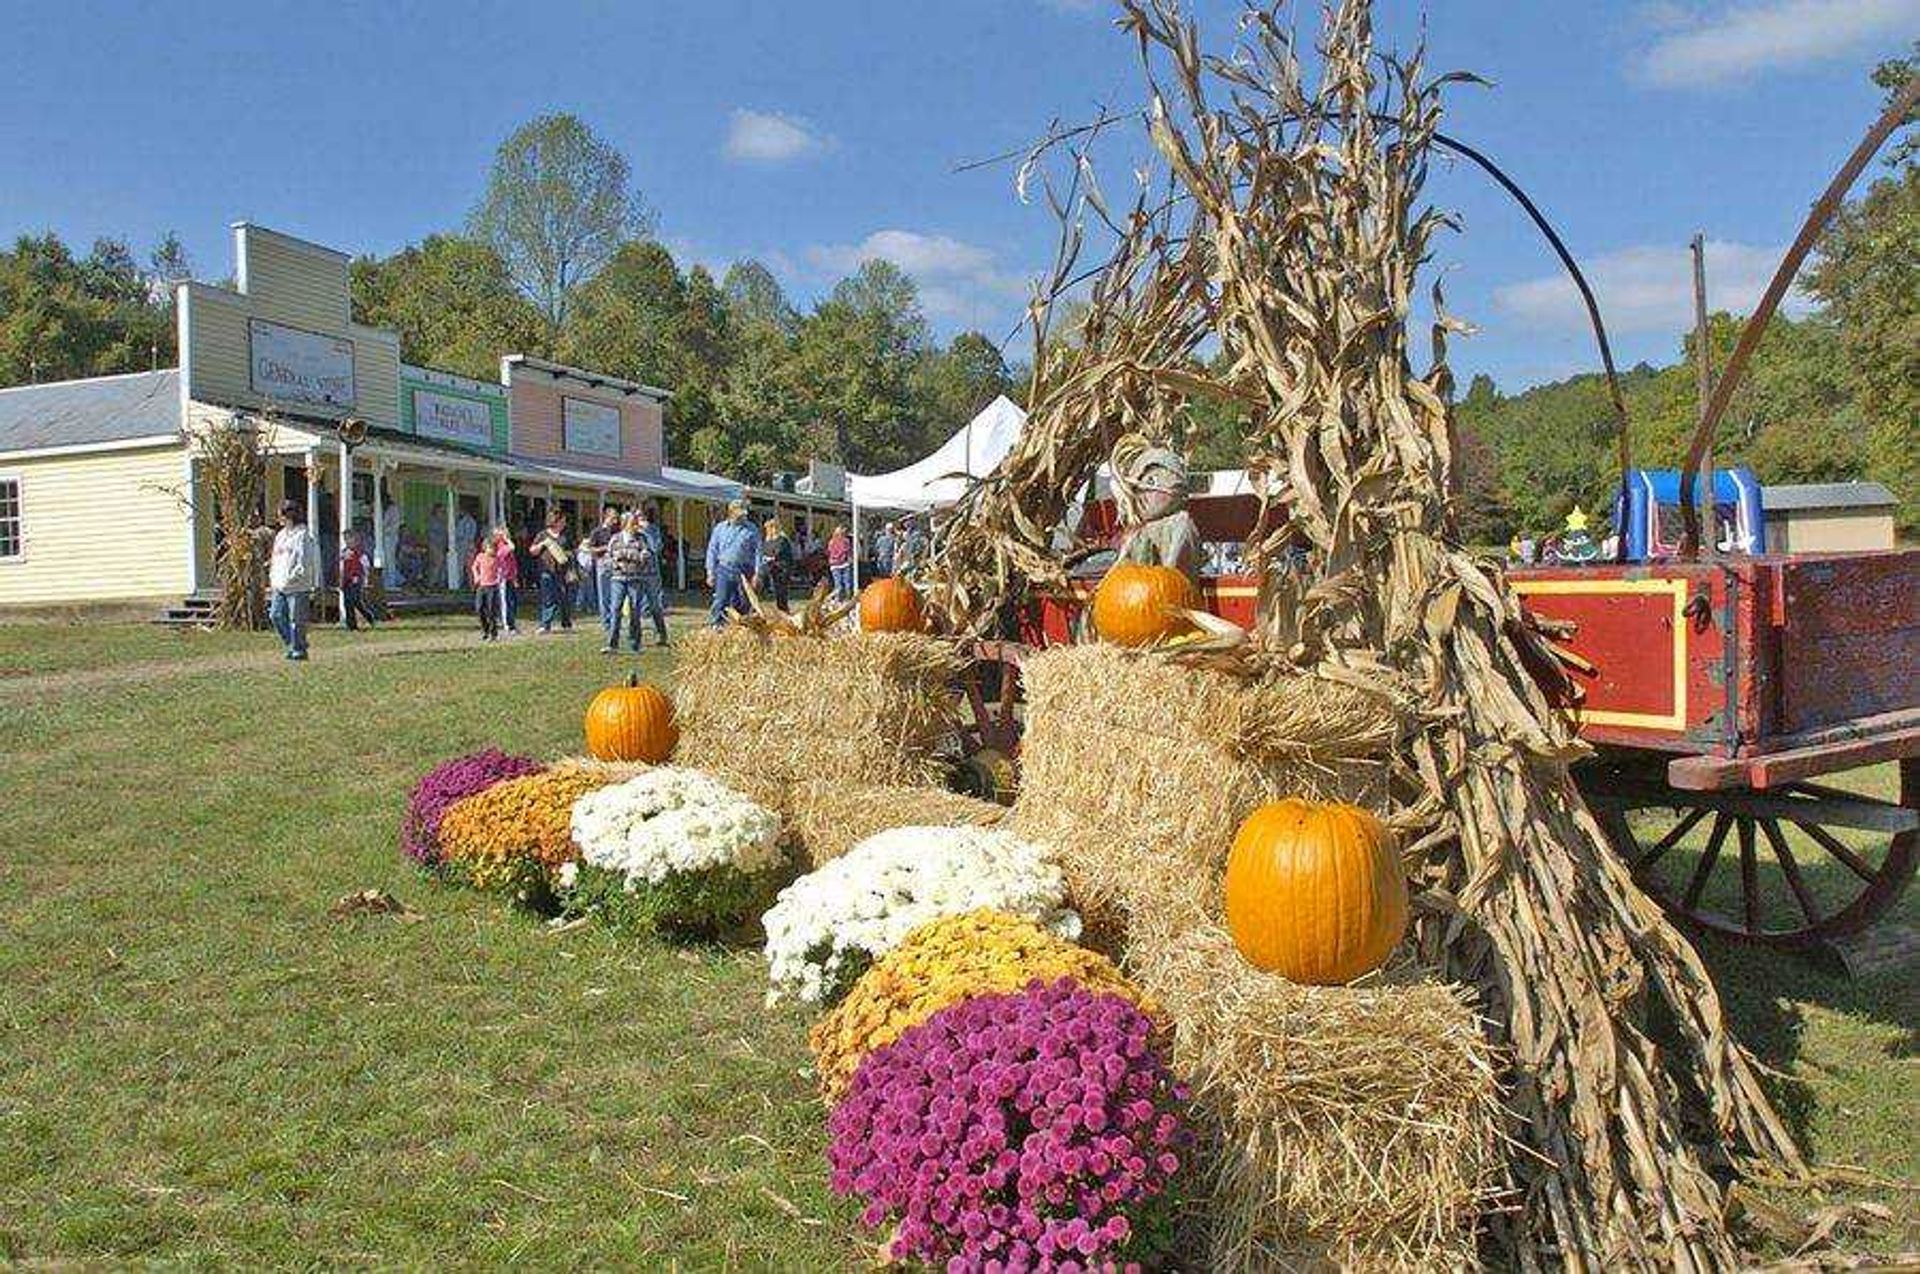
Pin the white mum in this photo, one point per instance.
(671, 819)
(866, 901)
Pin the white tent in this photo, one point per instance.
(936, 479)
(942, 477)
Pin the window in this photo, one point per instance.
(13, 539)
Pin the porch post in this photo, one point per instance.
(680, 537)
(313, 490)
(453, 549)
(344, 500)
(379, 523)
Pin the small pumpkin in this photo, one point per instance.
(1315, 892)
(1138, 604)
(891, 606)
(633, 722)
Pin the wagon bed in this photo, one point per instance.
(1719, 691)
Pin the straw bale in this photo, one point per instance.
(1176, 757)
(1347, 1126)
(858, 707)
(830, 817)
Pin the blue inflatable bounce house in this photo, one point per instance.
(1653, 522)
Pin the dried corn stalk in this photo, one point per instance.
(1300, 236)
(233, 466)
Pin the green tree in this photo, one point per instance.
(753, 295)
(63, 317)
(452, 303)
(851, 370)
(1868, 276)
(951, 385)
(558, 205)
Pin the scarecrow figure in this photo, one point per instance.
(1150, 492)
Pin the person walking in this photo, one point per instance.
(553, 552)
(506, 557)
(840, 562)
(636, 581)
(777, 561)
(353, 584)
(733, 554)
(293, 572)
(484, 570)
(597, 541)
(883, 550)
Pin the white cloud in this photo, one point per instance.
(959, 282)
(1647, 288)
(769, 137)
(1701, 47)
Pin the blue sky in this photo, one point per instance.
(810, 135)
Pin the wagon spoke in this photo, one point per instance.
(1790, 869)
(1854, 863)
(1647, 857)
(1749, 877)
(1721, 822)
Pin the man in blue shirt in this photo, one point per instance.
(733, 554)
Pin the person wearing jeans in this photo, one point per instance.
(596, 545)
(733, 554)
(636, 583)
(840, 562)
(293, 573)
(353, 584)
(553, 552)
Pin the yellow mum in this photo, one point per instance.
(495, 834)
(941, 963)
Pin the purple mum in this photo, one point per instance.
(446, 783)
(1013, 1132)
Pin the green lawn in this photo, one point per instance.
(197, 1065)
(26, 649)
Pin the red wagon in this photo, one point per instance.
(1721, 691)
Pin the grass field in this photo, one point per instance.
(197, 1065)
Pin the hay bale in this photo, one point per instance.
(830, 817)
(1348, 1126)
(859, 707)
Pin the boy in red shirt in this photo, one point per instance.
(353, 583)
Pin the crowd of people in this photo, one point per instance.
(613, 574)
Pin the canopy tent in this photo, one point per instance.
(943, 476)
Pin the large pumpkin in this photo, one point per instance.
(631, 723)
(1137, 604)
(1315, 893)
(891, 606)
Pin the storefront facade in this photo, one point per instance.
(415, 462)
(280, 351)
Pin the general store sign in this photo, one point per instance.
(591, 428)
(466, 421)
(294, 366)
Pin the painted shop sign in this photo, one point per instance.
(591, 428)
(294, 366)
(466, 421)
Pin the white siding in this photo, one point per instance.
(103, 527)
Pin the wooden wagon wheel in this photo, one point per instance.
(989, 721)
(1832, 889)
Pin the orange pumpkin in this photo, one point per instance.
(1137, 605)
(631, 723)
(891, 606)
(1315, 893)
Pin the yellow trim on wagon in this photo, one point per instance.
(1677, 589)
